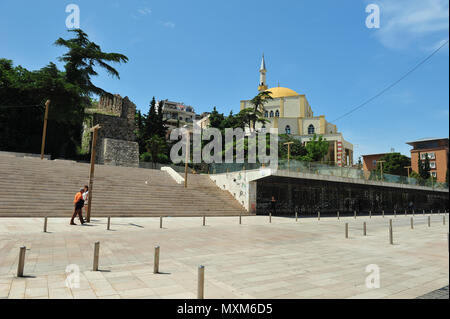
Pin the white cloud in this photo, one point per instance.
(405, 23)
(145, 11)
(168, 24)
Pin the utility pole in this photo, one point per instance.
(91, 174)
(44, 132)
(381, 162)
(188, 147)
(289, 153)
(409, 169)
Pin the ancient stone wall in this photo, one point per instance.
(118, 153)
(116, 117)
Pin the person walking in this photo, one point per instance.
(78, 203)
(86, 198)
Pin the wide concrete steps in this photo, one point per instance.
(30, 187)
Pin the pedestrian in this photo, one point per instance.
(273, 204)
(86, 198)
(78, 203)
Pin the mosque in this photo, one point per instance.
(290, 113)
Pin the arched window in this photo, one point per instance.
(266, 114)
(271, 113)
(288, 129)
(277, 113)
(311, 129)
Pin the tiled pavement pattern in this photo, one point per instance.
(437, 294)
(284, 259)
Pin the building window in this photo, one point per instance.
(266, 114)
(433, 165)
(277, 113)
(374, 163)
(288, 130)
(271, 113)
(311, 129)
(431, 156)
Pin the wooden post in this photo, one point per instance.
(270, 217)
(45, 224)
(96, 256)
(21, 264)
(160, 222)
(201, 283)
(412, 223)
(429, 221)
(91, 174)
(338, 217)
(240, 219)
(109, 223)
(443, 220)
(156, 261)
(204, 220)
(370, 214)
(318, 215)
(346, 230)
(391, 233)
(44, 131)
(296, 216)
(365, 229)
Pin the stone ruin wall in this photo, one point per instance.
(116, 137)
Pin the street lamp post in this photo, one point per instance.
(289, 153)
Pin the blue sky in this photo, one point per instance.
(207, 53)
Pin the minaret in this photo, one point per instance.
(262, 78)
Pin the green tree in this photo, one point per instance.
(81, 59)
(249, 117)
(424, 167)
(258, 103)
(394, 163)
(156, 147)
(317, 148)
(297, 150)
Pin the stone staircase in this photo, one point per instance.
(30, 187)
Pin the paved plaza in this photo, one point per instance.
(258, 259)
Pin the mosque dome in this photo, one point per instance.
(279, 92)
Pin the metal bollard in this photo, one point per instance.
(201, 283)
(296, 216)
(346, 230)
(370, 214)
(21, 264)
(406, 213)
(391, 235)
(355, 214)
(204, 220)
(429, 221)
(160, 222)
(443, 220)
(414, 213)
(240, 219)
(423, 212)
(45, 224)
(96, 256)
(156, 261)
(109, 223)
(270, 217)
(318, 215)
(365, 229)
(412, 223)
(383, 213)
(338, 215)
(395, 213)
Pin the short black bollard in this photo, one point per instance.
(346, 230)
(96, 256)
(201, 283)
(45, 224)
(156, 261)
(21, 264)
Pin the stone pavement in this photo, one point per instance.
(437, 294)
(258, 259)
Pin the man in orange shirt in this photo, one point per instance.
(79, 203)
